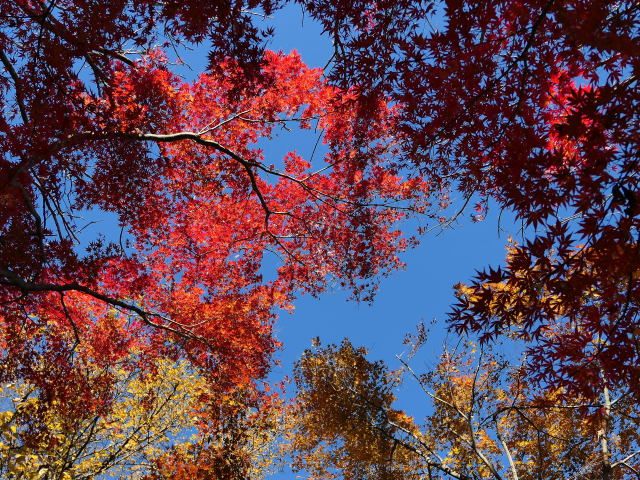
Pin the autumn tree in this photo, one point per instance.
(530, 106)
(340, 422)
(486, 420)
(210, 237)
(158, 419)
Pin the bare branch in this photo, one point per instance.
(17, 85)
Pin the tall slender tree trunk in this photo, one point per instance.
(604, 433)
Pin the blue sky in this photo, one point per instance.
(421, 292)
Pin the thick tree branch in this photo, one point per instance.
(144, 315)
(16, 84)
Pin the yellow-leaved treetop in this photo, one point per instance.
(485, 421)
(165, 412)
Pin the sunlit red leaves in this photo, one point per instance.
(212, 236)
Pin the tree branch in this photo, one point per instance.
(16, 83)
(28, 287)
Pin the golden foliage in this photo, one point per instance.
(343, 423)
(163, 413)
(486, 422)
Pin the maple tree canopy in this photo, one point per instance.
(212, 237)
(530, 106)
